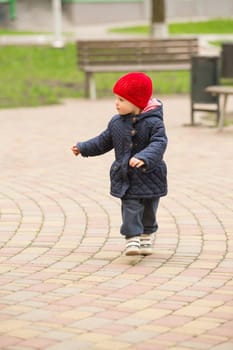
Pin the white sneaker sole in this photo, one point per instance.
(146, 251)
(132, 252)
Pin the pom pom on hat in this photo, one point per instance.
(135, 87)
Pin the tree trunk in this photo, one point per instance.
(158, 19)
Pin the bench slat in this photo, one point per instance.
(139, 67)
(134, 54)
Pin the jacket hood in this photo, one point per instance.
(152, 104)
(153, 108)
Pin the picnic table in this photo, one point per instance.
(223, 91)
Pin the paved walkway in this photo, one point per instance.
(65, 284)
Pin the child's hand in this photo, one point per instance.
(75, 150)
(136, 163)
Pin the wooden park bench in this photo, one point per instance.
(96, 56)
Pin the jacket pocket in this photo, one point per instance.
(116, 173)
(118, 184)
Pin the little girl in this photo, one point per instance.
(138, 174)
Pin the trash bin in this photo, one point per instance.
(227, 60)
(205, 71)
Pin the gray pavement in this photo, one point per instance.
(65, 283)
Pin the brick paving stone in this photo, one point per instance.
(71, 345)
(64, 280)
(203, 342)
(105, 345)
(35, 315)
(112, 314)
(37, 343)
(26, 333)
(114, 329)
(91, 323)
(149, 346)
(134, 304)
(93, 337)
(135, 336)
(7, 341)
(7, 325)
(76, 314)
(58, 335)
(193, 311)
(172, 321)
(224, 346)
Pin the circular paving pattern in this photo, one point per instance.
(65, 281)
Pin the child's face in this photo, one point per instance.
(123, 106)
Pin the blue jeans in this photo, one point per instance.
(138, 216)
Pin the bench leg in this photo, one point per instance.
(222, 113)
(90, 89)
(192, 116)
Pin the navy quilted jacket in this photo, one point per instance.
(142, 136)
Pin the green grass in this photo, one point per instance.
(33, 76)
(213, 26)
(170, 82)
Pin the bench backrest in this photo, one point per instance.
(137, 51)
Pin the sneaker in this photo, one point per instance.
(132, 246)
(146, 245)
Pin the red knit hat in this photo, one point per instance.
(136, 87)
